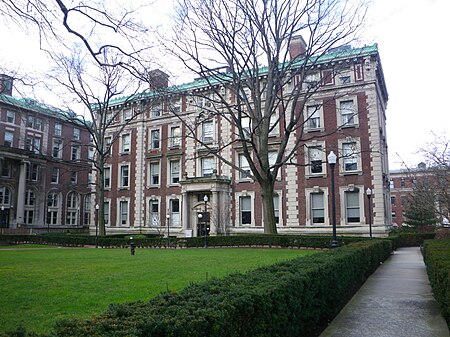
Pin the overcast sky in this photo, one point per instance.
(412, 37)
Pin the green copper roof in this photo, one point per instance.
(33, 105)
(199, 83)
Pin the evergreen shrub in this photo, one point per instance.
(292, 298)
(437, 259)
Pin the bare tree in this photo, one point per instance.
(437, 159)
(101, 27)
(240, 49)
(96, 86)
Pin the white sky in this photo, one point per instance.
(413, 41)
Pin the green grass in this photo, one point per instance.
(40, 286)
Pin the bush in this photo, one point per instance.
(410, 239)
(437, 259)
(140, 240)
(292, 298)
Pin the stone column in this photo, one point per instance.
(21, 194)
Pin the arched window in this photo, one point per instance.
(53, 205)
(72, 204)
(87, 209)
(5, 196)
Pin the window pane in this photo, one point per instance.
(317, 208)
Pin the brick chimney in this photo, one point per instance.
(6, 85)
(297, 47)
(158, 79)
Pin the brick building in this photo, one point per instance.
(43, 166)
(402, 183)
(157, 175)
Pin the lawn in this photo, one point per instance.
(40, 286)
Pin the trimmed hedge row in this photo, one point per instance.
(293, 298)
(410, 239)
(437, 259)
(291, 241)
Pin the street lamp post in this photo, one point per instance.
(168, 230)
(205, 199)
(369, 197)
(96, 225)
(332, 158)
(3, 220)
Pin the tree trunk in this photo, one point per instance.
(270, 225)
(101, 200)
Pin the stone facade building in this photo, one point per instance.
(44, 167)
(158, 175)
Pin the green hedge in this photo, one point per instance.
(437, 259)
(291, 241)
(410, 239)
(292, 298)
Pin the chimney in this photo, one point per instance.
(297, 47)
(6, 83)
(158, 79)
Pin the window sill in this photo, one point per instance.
(349, 126)
(314, 130)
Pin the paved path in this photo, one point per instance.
(396, 301)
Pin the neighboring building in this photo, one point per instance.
(157, 177)
(402, 186)
(43, 166)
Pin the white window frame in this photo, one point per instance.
(238, 216)
(345, 158)
(107, 177)
(73, 177)
(58, 129)
(172, 173)
(127, 114)
(156, 110)
(343, 198)
(55, 171)
(314, 111)
(174, 217)
(246, 124)
(244, 165)
(154, 218)
(273, 154)
(75, 152)
(155, 142)
(107, 212)
(353, 114)
(154, 170)
(309, 210)
(274, 125)
(76, 134)
(8, 139)
(72, 207)
(37, 145)
(10, 116)
(175, 139)
(208, 131)
(207, 166)
(108, 144)
(57, 144)
(5, 196)
(308, 164)
(123, 213)
(121, 177)
(125, 143)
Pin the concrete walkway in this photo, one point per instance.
(396, 301)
